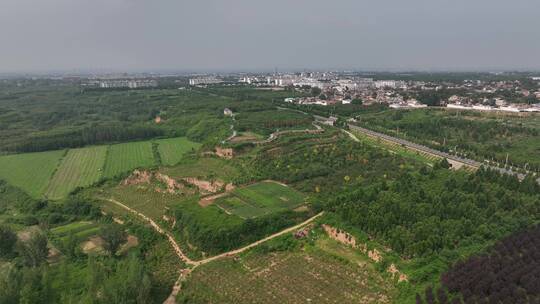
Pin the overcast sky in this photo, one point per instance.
(130, 35)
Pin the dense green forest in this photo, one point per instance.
(30, 276)
(429, 216)
(39, 119)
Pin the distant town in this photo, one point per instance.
(497, 92)
(334, 88)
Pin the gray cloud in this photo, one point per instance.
(249, 34)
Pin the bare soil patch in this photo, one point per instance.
(93, 245)
(173, 187)
(303, 208)
(137, 177)
(244, 138)
(205, 187)
(132, 241)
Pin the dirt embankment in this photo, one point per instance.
(373, 254)
(209, 200)
(205, 187)
(172, 185)
(139, 177)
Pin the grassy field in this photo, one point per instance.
(30, 172)
(206, 168)
(260, 199)
(299, 276)
(125, 157)
(171, 150)
(144, 199)
(79, 168)
(266, 122)
(81, 230)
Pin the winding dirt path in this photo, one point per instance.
(160, 230)
(194, 264)
(185, 273)
(240, 250)
(352, 136)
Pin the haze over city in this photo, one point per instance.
(136, 35)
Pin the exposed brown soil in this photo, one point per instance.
(25, 234)
(373, 254)
(303, 208)
(54, 255)
(226, 153)
(132, 241)
(392, 269)
(209, 200)
(173, 187)
(138, 177)
(93, 245)
(243, 138)
(118, 220)
(205, 187)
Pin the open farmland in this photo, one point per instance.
(205, 168)
(171, 150)
(286, 277)
(260, 199)
(31, 171)
(80, 167)
(81, 230)
(266, 122)
(144, 199)
(125, 157)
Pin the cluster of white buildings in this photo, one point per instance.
(409, 104)
(122, 83)
(392, 84)
(204, 81)
(515, 108)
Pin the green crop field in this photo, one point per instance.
(79, 168)
(30, 171)
(260, 199)
(71, 228)
(206, 168)
(287, 277)
(81, 230)
(172, 150)
(144, 199)
(125, 157)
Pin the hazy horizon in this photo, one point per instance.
(241, 35)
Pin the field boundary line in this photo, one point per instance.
(268, 238)
(183, 274)
(53, 173)
(160, 230)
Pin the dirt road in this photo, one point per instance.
(240, 250)
(194, 264)
(184, 274)
(160, 230)
(352, 136)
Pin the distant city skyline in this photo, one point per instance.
(243, 35)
